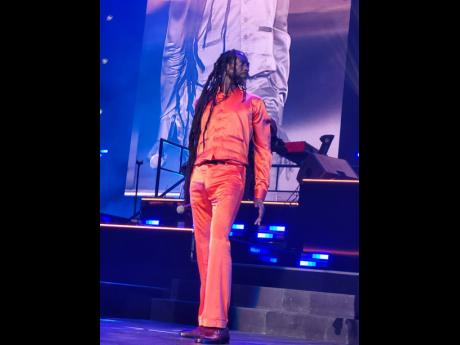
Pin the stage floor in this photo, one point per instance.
(115, 331)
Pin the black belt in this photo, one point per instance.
(215, 161)
(220, 161)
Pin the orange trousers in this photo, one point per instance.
(216, 191)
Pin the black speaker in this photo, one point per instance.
(318, 166)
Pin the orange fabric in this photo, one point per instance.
(216, 191)
(232, 125)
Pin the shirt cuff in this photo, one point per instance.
(260, 194)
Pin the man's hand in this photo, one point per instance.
(260, 205)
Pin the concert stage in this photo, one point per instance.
(140, 332)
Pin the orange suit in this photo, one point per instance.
(216, 190)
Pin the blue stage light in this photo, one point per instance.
(264, 235)
(152, 222)
(276, 228)
(307, 263)
(320, 256)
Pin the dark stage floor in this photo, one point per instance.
(146, 332)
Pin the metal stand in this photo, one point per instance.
(136, 217)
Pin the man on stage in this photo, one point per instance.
(226, 119)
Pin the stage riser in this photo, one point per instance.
(326, 217)
(265, 321)
(127, 301)
(152, 257)
(310, 315)
(300, 303)
(310, 302)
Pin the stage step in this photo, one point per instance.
(296, 225)
(303, 301)
(265, 321)
(128, 300)
(296, 278)
(311, 315)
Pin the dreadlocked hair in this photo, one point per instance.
(208, 95)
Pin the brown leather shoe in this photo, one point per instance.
(192, 333)
(213, 335)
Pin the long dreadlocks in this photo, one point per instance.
(208, 95)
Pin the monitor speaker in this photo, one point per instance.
(318, 166)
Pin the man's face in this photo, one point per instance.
(241, 67)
